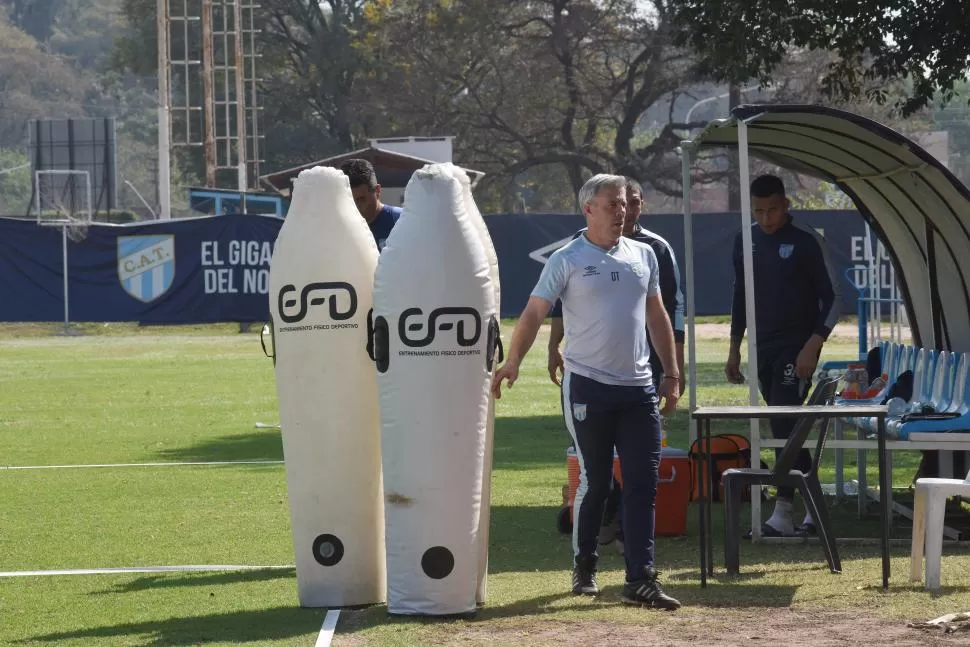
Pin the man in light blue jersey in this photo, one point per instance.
(670, 291)
(673, 299)
(610, 295)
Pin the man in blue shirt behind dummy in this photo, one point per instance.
(797, 302)
(380, 217)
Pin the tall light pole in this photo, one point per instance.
(164, 136)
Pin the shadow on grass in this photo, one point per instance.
(290, 622)
(237, 627)
(358, 620)
(199, 579)
(721, 576)
(526, 540)
(945, 590)
(523, 443)
(901, 584)
(520, 444)
(762, 596)
(751, 595)
(265, 445)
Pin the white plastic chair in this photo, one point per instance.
(928, 515)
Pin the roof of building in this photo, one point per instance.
(393, 169)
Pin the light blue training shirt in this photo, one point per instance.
(604, 300)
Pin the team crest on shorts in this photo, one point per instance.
(785, 250)
(579, 412)
(637, 268)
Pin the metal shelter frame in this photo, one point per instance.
(917, 207)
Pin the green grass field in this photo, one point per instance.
(123, 394)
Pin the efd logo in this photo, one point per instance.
(334, 288)
(463, 315)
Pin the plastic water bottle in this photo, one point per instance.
(855, 381)
(663, 433)
(877, 386)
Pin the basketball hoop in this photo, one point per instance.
(76, 230)
(62, 199)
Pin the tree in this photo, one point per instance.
(955, 120)
(35, 17)
(925, 43)
(34, 84)
(15, 182)
(526, 85)
(315, 40)
(79, 32)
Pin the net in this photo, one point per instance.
(63, 199)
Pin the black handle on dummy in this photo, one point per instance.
(262, 340)
(493, 342)
(381, 344)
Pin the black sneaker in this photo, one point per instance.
(806, 530)
(584, 576)
(647, 592)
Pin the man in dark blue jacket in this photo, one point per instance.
(797, 303)
(380, 217)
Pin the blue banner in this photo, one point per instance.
(199, 270)
(216, 268)
(523, 242)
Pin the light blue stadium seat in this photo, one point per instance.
(936, 392)
(955, 415)
(924, 368)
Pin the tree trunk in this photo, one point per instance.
(576, 179)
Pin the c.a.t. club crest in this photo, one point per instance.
(146, 265)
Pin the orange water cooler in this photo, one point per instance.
(673, 489)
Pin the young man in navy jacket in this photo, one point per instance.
(380, 217)
(797, 303)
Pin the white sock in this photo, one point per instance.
(781, 519)
(808, 519)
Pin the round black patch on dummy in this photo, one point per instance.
(328, 550)
(437, 562)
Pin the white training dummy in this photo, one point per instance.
(472, 210)
(433, 301)
(321, 288)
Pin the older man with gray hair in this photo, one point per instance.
(610, 296)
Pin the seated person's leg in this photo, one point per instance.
(780, 387)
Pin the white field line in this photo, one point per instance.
(165, 464)
(328, 628)
(191, 568)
